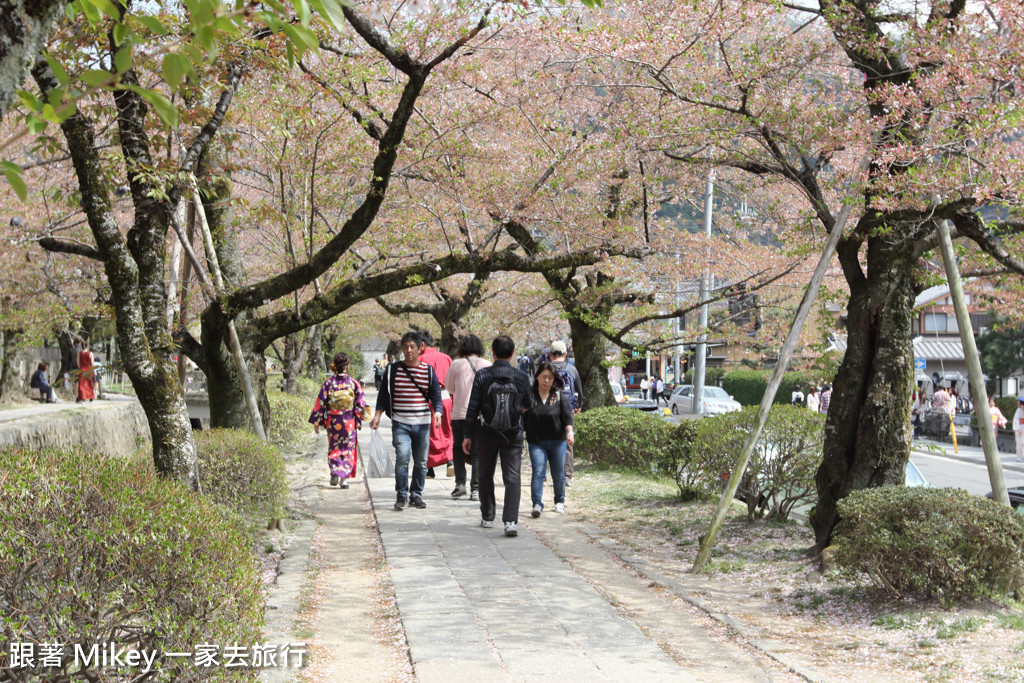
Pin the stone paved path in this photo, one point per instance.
(476, 604)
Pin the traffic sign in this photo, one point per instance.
(920, 363)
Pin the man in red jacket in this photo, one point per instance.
(440, 437)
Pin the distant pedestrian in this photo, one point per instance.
(340, 408)
(97, 373)
(525, 363)
(825, 400)
(38, 381)
(797, 397)
(916, 409)
(72, 360)
(813, 402)
(940, 400)
(410, 394)
(659, 389)
(500, 395)
(460, 383)
(549, 432)
(378, 373)
(1018, 427)
(645, 386)
(86, 379)
(572, 387)
(998, 419)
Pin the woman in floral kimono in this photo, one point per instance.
(340, 408)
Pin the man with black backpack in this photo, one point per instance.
(499, 396)
(573, 389)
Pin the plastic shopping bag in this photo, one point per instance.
(379, 464)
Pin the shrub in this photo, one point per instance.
(780, 472)
(712, 376)
(307, 388)
(622, 436)
(678, 462)
(289, 419)
(1007, 406)
(242, 473)
(748, 386)
(97, 549)
(933, 542)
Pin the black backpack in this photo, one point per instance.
(568, 387)
(501, 408)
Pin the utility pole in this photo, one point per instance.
(700, 357)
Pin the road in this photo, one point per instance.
(972, 476)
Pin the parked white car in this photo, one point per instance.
(620, 397)
(716, 401)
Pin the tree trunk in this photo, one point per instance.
(452, 333)
(227, 403)
(6, 351)
(25, 27)
(316, 367)
(588, 346)
(867, 432)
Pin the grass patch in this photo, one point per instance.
(1014, 620)
(893, 622)
(958, 627)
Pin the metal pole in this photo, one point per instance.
(708, 539)
(978, 392)
(700, 356)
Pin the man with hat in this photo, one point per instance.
(1018, 427)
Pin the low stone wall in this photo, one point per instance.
(116, 429)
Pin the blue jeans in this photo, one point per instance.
(409, 440)
(542, 452)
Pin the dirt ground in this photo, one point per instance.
(762, 581)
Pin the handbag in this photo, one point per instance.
(379, 464)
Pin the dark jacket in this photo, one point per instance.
(547, 421)
(387, 388)
(571, 369)
(482, 382)
(38, 380)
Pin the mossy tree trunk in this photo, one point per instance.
(588, 345)
(25, 27)
(868, 432)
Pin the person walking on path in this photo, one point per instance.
(500, 395)
(411, 396)
(1018, 427)
(340, 408)
(998, 419)
(826, 399)
(645, 385)
(573, 389)
(812, 399)
(86, 379)
(549, 432)
(440, 452)
(38, 381)
(940, 400)
(460, 383)
(378, 374)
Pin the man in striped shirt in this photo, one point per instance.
(411, 396)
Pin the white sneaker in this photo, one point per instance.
(486, 523)
(560, 507)
(537, 509)
(510, 529)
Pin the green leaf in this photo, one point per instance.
(58, 70)
(302, 9)
(37, 125)
(123, 59)
(120, 32)
(13, 173)
(96, 77)
(153, 24)
(30, 100)
(164, 108)
(107, 8)
(331, 10)
(174, 68)
(206, 36)
(50, 114)
(90, 12)
(277, 7)
(302, 38)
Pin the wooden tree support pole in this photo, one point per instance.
(211, 290)
(708, 539)
(978, 392)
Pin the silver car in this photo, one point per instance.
(716, 401)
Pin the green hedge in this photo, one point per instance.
(1007, 406)
(623, 437)
(932, 542)
(96, 548)
(712, 376)
(242, 473)
(289, 418)
(748, 386)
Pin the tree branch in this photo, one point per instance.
(77, 248)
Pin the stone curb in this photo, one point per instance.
(642, 568)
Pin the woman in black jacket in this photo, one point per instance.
(548, 430)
